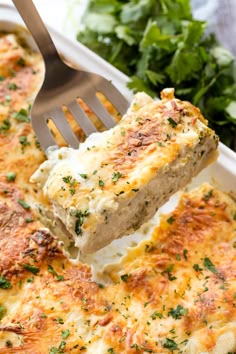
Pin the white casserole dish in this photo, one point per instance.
(222, 173)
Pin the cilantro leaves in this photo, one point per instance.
(159, 44)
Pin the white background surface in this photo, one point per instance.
(64, 15)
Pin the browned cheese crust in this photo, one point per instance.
(174, 292)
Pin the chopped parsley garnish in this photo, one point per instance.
(101, 183)
(65, 334)
(135, 189)
(67, 179)
(24, 142)
(11, 176)
(208, 195)
(29, 220)
(23, 204)
(111, 350)
(160, 143)
(2, 78)
(197, 267)
(21, 116)
(8, 343)
(155, 315)
(5, 126)
(178, 257)
(168, 271)
(59, 350)
(21, 62)
(209, 265)
(12, 86)
(185, 253)
(4, 283)
(31, 268)
(116, 176)
(125, 277)
(83, 175)
(170, 344)
(80, 220)
(30, 280)
(178, 312)
(53, 272)
(71, 181)
(172, 122)
(170, 220)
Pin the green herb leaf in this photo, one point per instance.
(178, 312)
(101, 183)
(125, 277)
(11, 176)
(65, 333)
(12, 86)
(4, 283)
(116, 176)
(209, 265)
(83, 175)
(152, 37)
(53, 272)
(170, 220)
(31, 268)
(21, 116)
(24, 204)
(170, 344)
(172, 122)
(80, 220)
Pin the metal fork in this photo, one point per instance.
(62, 86)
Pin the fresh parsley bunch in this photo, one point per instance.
(159, 44)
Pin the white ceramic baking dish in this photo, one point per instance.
(222, 173)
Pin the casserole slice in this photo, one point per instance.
(116, 180)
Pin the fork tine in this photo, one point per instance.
(81, 118)
(113, 95)
(44, 136)
(97, 107)
(58, 117)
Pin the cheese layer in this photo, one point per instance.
(116, 180)
(174, 293)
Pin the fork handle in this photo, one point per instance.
(37, 28)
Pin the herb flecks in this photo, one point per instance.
(23, 204)
(172, 122)
(11, 176)
(23, 140)
(209, 265)
(21, 116)
(80, 216)
(168, 271)
(116, 176)
(54, 273)
(4, 283)
(178, 312)
(31, 268)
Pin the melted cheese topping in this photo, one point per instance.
(173, 293)
(93, 187)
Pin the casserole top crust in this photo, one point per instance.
(116, 180)
(173, 293)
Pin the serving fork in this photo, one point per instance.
(62, 86)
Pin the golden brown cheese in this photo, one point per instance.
(174, 293)
(116, 180)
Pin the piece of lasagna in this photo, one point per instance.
(116, 180)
